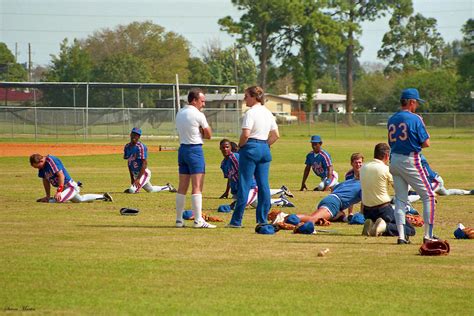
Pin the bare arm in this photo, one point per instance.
(305, 176)
(47, 190)
(426, 143)
(244, 137)
(225, 195)
(273, 137)
(207, 133)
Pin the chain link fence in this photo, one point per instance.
(88, 123)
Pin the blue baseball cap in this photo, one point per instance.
(411, 94)
(188, 214)
(265, 229)
(224, 208)
(307, 228)
(136, 130)
(293, 219)
(316, 139)
(357, 219)
(460, 234)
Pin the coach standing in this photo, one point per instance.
(192, 127)
(259, 132)
(407, 135)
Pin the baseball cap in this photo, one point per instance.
(136, 130)
(265, 229)
(411, 93)
(224, 208)
(357, 219)
(293, 219)
(188, 214)
(316, 139)
(306, 228)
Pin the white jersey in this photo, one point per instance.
(260, 121)
(188, 121)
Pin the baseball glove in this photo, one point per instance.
(209, 218)
(322, 222)
(415, 220)
(129, 211)
(285, 226)
(435, 248)
(469, 232)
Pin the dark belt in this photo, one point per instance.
(369, 208)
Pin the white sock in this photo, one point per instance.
(401, 231)
(180, 199)
(196, 205)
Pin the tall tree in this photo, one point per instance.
(352, 13)
(259, 26)
(10, 70)
(164, 53)
(412, 43)
(199, 71)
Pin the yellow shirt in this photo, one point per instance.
(375, 180)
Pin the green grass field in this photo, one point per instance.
(87, 259)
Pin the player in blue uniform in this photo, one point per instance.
(53, 173)
(407, 135)
(136, 154)
(344, 195)
(437, 182)
(357, 159)
(320, 161)
(230, 169)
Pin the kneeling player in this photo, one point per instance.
(53, 172)
(136, 153)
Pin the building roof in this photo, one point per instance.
(319, 97)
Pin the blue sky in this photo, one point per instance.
(45, 23)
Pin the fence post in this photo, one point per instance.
(36, 124)
(454, 124)
(365, 125)
(87, 112)
(335, 125)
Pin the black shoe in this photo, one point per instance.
(401, 241)
(472, 192)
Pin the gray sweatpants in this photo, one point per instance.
(407, 170)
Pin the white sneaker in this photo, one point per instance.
(180, 224)
(367, 227)
(203, 224)
(378, 228)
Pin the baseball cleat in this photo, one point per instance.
(432, 238)
(367, 227)
(287, 192)
(379, 227)
(127, 191)
(472, 192)
(179, 224)
(401, 241)
(287, 203)
(203, 224)
(171, 188)
(108, 197)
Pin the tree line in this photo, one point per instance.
(300, 46)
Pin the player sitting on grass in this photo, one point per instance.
(320, 161)
(437, 183)
(230, 168)
(53, 173)
(136, 153)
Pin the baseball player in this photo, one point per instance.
(320, 161)
(136, 154)
(357, 159)
(53, 173)
(437, 183)
(230, 169)
(407, 135)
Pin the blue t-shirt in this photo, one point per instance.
(406, 133)
(430, 173)
(349, 192)
(230, 169)
(319, 162)
(135, 155)
(50, 171)
(349, 175)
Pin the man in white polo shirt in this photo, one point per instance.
(192, 127)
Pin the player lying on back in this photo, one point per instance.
(437, 183)
(53, 173)
(230, 169)
(137, 153)
(320, 161)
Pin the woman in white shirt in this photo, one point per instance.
(259, 132)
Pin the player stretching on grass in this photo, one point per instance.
(320, 161)
(230, 168)
(53, 173)
(136, 154)
(407, 135)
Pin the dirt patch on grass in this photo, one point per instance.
(25, 150)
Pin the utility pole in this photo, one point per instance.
(29, 62)
(16, 52)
